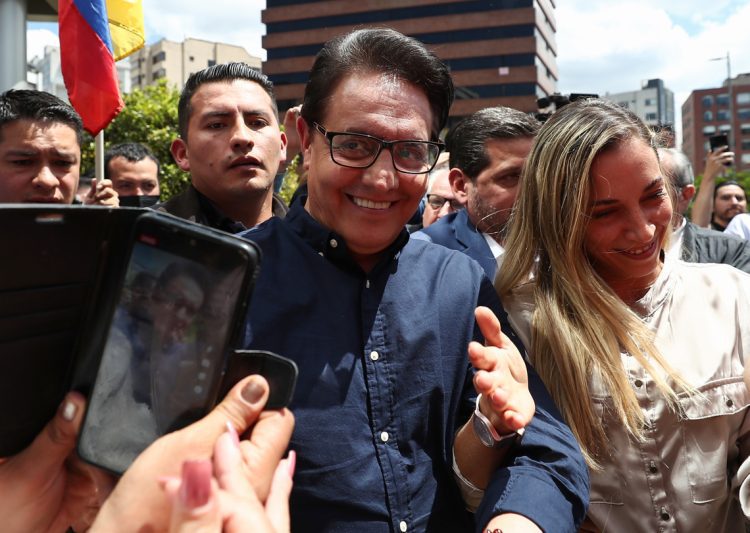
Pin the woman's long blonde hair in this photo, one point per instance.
(579, 325)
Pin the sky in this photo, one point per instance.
(607, 46)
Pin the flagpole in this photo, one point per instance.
(99, 156)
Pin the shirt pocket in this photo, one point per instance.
(606, 485)
(710, 428)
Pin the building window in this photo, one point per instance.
(709, 130)
(650, 116)
(722, 99)
(722, 114)
(745, 144)
(744, 114)
(159, 74)
(624, 105)
(724, 128)
(211, 62)
(708, 101)
(161, 56)
(743, 98)
(708, 116)
(649, 101)
(746, 159)
(745, 128)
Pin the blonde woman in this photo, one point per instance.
(644, 357)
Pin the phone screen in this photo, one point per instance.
(166, 346)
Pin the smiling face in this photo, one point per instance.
(39, 162)
(630, 215)
(234, 146)
(368, 207)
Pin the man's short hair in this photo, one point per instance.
(38, 106)
(726, 183)
(384, 51)
(226, 72)
(466, 142)
(680, 171)
(133, 152)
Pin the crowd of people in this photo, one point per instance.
(596, 386)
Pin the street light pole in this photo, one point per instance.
(731, 99)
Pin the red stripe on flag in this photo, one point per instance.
(88, 69)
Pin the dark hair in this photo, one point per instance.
(133, 152)
(38, 106)
(466, 142)
(226, 72)
(729, 182)
(182, 269)
(379, 50)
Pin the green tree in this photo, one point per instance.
(150, 118)
(742, 177)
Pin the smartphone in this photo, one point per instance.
(718, 141)
(172, 323)
(279, 372)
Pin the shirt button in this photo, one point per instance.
(384, 436)
(652, 468)
(402, 526)
(333, 242)
(320, 254)
(664, 514)
(730, 403)
(374, 355)
(638, 383)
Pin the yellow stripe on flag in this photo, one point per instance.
(125, 26)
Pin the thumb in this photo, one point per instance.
(241, 407)
(58, 438)
(490, 327)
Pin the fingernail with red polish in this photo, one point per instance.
(233, 432)
(195, 490)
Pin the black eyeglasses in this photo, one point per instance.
(437, 202)
(358, 150)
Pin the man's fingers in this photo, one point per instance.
(489, 325)
(58, 438)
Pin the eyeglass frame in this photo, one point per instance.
(455, 204)
(329, 135)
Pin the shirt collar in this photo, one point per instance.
(330, 244)
(214, 217)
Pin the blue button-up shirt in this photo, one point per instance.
(385, 383)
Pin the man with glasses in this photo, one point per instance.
(487, 152)
(440, 200)
(379, 325)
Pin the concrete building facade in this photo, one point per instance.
(710, 111)
(45, 73)
(653, 103)
(500, 52)
(176, 61)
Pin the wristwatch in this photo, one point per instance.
(487, 433)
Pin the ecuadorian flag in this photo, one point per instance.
(89, 49)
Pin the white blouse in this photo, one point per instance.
(691, 471)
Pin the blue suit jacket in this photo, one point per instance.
(455, 231)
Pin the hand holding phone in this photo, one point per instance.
(719, 141)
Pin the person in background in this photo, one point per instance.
(739, 226)
(644, 354)
(690, 242)
(488, 150)
(440, 200)
(710, 209)
(40, 152)
(134, 172)
(231, 144)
